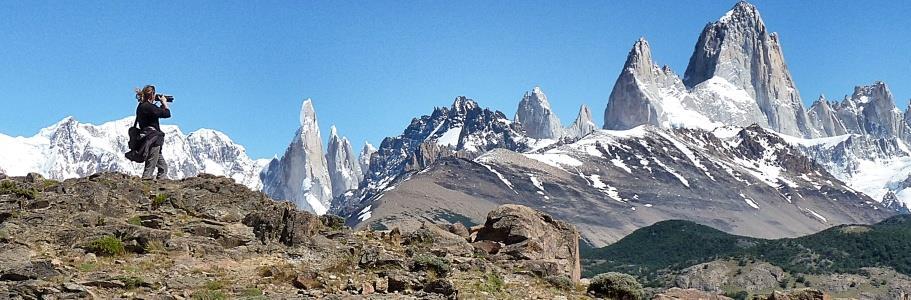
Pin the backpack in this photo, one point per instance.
(134, 144)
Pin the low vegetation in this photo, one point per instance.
(617, 286)
(106, 246)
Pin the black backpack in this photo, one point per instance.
(134, 144)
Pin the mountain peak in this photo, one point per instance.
(463, 104)
(308, 114)
(536, 117)
(583, 124)
(640, 56)
(741, 11)
(333, 132)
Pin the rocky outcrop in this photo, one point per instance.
(527, 234)
(344, 168)
(583, 124)
(364, 158)
(112, 236)
(716, 275)
(871, 111)
(738, 54)
(301, 175)
(688, 294)
(536, 117)
(801, 294)
(824, 119)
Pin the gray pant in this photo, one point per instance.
(155, 161)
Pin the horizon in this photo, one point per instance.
(411, 74)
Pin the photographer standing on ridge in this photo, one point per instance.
(147, 115)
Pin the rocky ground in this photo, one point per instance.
(112, 236)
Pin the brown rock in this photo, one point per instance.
(367, 288)
(284, 223)
(381, 284)
(34, 178)
(306, 281)
(459, 229)
(489, 247)
(800, 294)
(688, 294)
(532, 235)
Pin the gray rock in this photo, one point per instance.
(344, 168)
(536, 117)
(34, 178)
(739, 52)
(533, 235)
(583, 124)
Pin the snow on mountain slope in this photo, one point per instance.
(610, 183)
(70, 149)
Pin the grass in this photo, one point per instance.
(87, 267)
(8, 187)
(159, 200)
(135, 221)
(209, 295)
(491, 283)
(131, 282)
(252, 293)
(107, 246)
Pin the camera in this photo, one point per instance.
(168, 98)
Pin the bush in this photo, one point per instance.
(616, 286)
(561, 282)
(10, 187)
(106, 246)
(427, 262)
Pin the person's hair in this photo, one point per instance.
(146, 93)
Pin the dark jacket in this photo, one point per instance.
(147, 114)
(146, 132)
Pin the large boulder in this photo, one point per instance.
(528, 234)
(800, 294)
(283, 223)
(684, 294)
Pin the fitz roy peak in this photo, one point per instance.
(737, 55)
(536, 117)
(301, 175)
(344, 167)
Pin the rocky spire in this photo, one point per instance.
(364, 158)
(536, 117)
(301, 175)
(647, 94)
(583, 124)
(344, 167)
(824, 119)
(871, 110)
(738, 51)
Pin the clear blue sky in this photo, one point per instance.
(244, 67)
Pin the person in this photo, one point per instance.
(147, 116)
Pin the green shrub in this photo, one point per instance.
(106, 246)
(491, 283)
(616, 286)
(8, 187)
(427, 262)
(135, 221)
(209, 295)
(561, 282)
(739, 295)
(159, 200)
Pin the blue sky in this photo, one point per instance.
(244, 67)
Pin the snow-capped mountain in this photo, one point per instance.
(301, 175)
(536, 118)
(71, 149)
(582, 126)
(344, 167)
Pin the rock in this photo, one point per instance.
(105, 283)
(90, 257)
(459, 229)
(543, 268)
(800, 294)
(34, 178)
(440, 286)
(378, 257)
(282, 222)
(532, 235)
(488, 247)
(583, 124)
(442, 240)
(306, 281)
(344, 168)
(687, 294)
(30, 270)
(536, 118)
(381, 284)
(400, 281)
